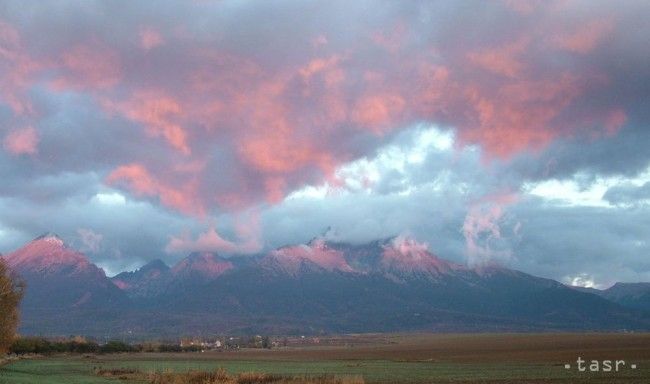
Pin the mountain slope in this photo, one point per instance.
(387, 285)
(630, 295)
(201, 266)
(156, 279)
(63, 287)
(144, 281)
(60, 277)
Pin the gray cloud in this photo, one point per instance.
(628, 194)
(237, 106)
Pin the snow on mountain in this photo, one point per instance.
(407, 255)
(291, 258)
(48, 254)
(395, 284)
(202, 264)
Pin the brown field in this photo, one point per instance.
(459, 348)
(377, 358)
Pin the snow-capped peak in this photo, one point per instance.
(406, 254)
(205, 264)
(48, 252)
(409, 247)
(317, 252)
(54, 241)
(51, 238)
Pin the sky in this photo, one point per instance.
(509, 132)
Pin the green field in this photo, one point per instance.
(436, 359)
(66, 370)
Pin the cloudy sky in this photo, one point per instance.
(514, 132)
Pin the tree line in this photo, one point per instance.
(11, 291)
(40, 345)
(43, 346)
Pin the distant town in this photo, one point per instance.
(79, 344)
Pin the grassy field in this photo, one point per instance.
(494, 358)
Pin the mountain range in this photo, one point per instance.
(630, 295)
(389, 285)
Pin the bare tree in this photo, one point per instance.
(11, 291)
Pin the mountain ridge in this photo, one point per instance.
(394, 284)
(631, 295)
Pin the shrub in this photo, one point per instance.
(11, 291)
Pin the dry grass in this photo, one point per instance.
(425, 358)
(120, 373)
(220, 376)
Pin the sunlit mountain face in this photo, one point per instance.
(61, 282)
(179, 145)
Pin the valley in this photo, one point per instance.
(377, 358)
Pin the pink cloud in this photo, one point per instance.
(319, 65)
(319, 41)
(158, 112)
(585, 37)
(16, 70)
(283, 123)
(614, 121)
(211, 241)
(503, 60)
(90, 239)
(378, 112)
(391, 39)
(518, 115)
(141, 182)
(150, 38)
(22, 141)
(482, 230)
(523, 7)
(91, 65)
(252, 125)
